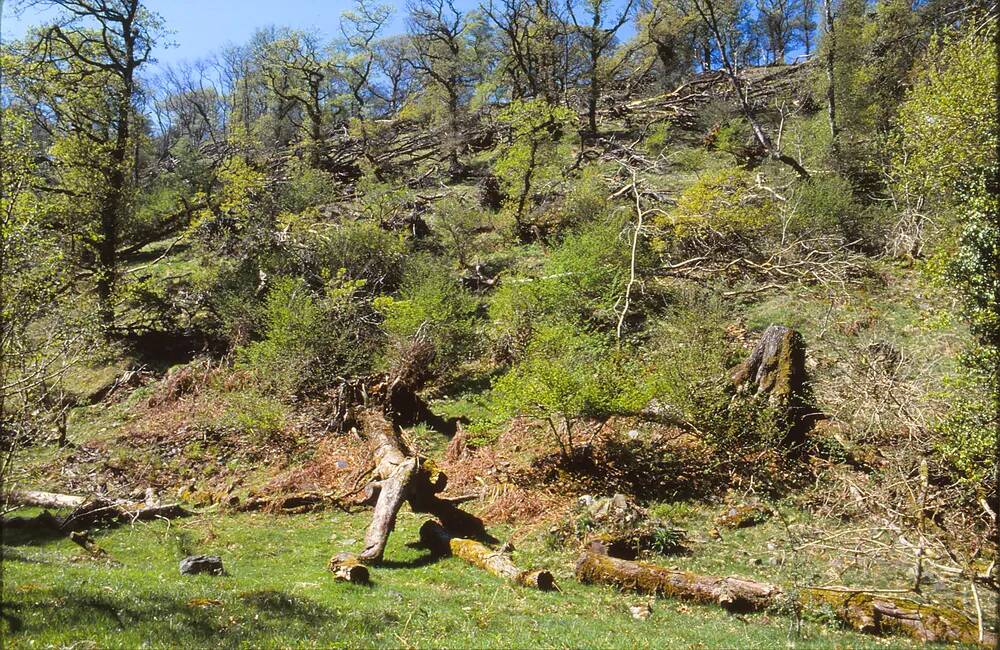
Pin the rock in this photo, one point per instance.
(194, 564)
(640, 612)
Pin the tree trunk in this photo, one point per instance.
(437, 538)
(831, 52)
(866, 612)
(403, 477)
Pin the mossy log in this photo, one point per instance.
(874, 613)
(405, 478)
(348, 568)
(865, 612)
(437, 538)
(732, 593)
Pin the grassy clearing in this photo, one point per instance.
(277, 594)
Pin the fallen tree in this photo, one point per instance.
(434, 536)
(87, 511)
(864, 611)
(405, 478)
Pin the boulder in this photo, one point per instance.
(194, 564)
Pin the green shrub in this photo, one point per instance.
(311, 339)
(556, 382)
(306, 186)
(457, 220)
(734, 138)
(657, 139)
(432, 305)
(968, 430)
(722, 204)
(581, 282)
(259, 416)
(363, 250)
(825, 204)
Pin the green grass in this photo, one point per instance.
(278, 594)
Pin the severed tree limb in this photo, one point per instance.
(437, 538)
(348, 568)
(864, 611)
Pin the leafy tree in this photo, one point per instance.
(520, 167)
(81, 74)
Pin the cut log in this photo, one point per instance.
(45, 499)
(437, 538)
(731, 593)
(348, 568)
(866, 612)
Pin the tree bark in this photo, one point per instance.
(863, 611)
(404, 477)
(437, 538)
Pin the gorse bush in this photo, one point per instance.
(720, 206)
(582, 281)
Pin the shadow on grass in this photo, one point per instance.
(169, 619)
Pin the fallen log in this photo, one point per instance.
(348, 568)
(866, 612)
(437, 538)
(405, 478)
(731, 593)
(45, 499)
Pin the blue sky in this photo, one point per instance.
(201, 27)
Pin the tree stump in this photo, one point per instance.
(776, 368)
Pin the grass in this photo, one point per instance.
(278, 594)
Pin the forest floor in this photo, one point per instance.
(277, 593)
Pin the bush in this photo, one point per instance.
(458, 220)
(556, 382)
(581, 283)
(657, 139)
(825, 204)
(721, 205)
(434, 307)
(309, 340)
(968, 430)
(364, 251)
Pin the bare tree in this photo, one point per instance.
(596, 29)
(706, 9)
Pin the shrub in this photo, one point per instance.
(458, 220)
(432, 306)
(309, 339)
(657, 139)
(825, 204)
(364, 251)
(722, 204)
(556, 382)
(581, 282)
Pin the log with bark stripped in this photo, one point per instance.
(866, 612)
(437, 538)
